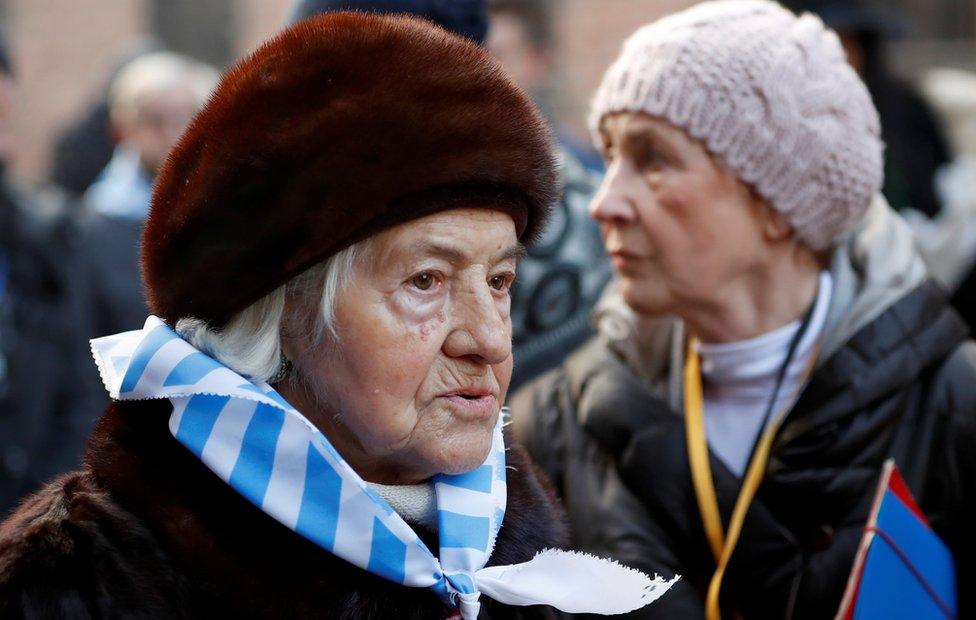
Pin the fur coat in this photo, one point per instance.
(146, 530)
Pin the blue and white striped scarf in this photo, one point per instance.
(270, 453)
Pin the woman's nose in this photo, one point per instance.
(612, 202)
(481, 330)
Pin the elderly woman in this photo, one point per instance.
(771, 337)
(311, 427)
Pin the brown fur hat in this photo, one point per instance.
(339, 127)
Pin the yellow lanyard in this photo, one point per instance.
(721, 544)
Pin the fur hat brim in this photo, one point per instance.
(341, 126)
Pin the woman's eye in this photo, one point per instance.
(423, 281)
(653, 159)
(499, 282)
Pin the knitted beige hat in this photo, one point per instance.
(767, 92)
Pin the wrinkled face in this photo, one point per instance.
(414, 385)
(681, 229)
(159, 122)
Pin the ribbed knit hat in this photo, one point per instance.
(771, 95)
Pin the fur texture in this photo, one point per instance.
(145, 530)
(341, 126)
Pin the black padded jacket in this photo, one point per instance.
(903, 386)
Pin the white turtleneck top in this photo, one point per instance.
(739, 377)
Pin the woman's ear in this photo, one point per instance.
(775, 227)
(771, 224)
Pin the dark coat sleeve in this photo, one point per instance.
(47, 407)
(634, 537)
(70, 552)
(950, 498)
(961, 534)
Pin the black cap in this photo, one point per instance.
(468, 18)
(853, 15)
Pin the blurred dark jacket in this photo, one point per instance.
(47, 407)
(110, 248)
(82, 150)
(113, 297)
(915, 147)
(85, 146)
(117, 204)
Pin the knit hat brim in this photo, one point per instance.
(770, 95)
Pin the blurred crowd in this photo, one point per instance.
(69, 250)
(69, 263)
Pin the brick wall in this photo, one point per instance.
(589, 34)
(65, 49)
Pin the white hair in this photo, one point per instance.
(250, 343)
(153, 73)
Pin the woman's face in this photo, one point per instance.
(681, 229)
(414, 385)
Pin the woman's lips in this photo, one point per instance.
(623, 259)
(472, 404)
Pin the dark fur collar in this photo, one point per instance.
(237, 560)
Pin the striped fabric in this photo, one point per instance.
(271, 454)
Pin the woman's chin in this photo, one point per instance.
(465, 457)
(645, 298)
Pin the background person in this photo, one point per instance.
(326, 236)
(151, 100)
(523, 37)
(46, 410)
(770, 314)
(84, 147)
(948, 242)
(562, 276)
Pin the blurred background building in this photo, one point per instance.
(65, 51)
